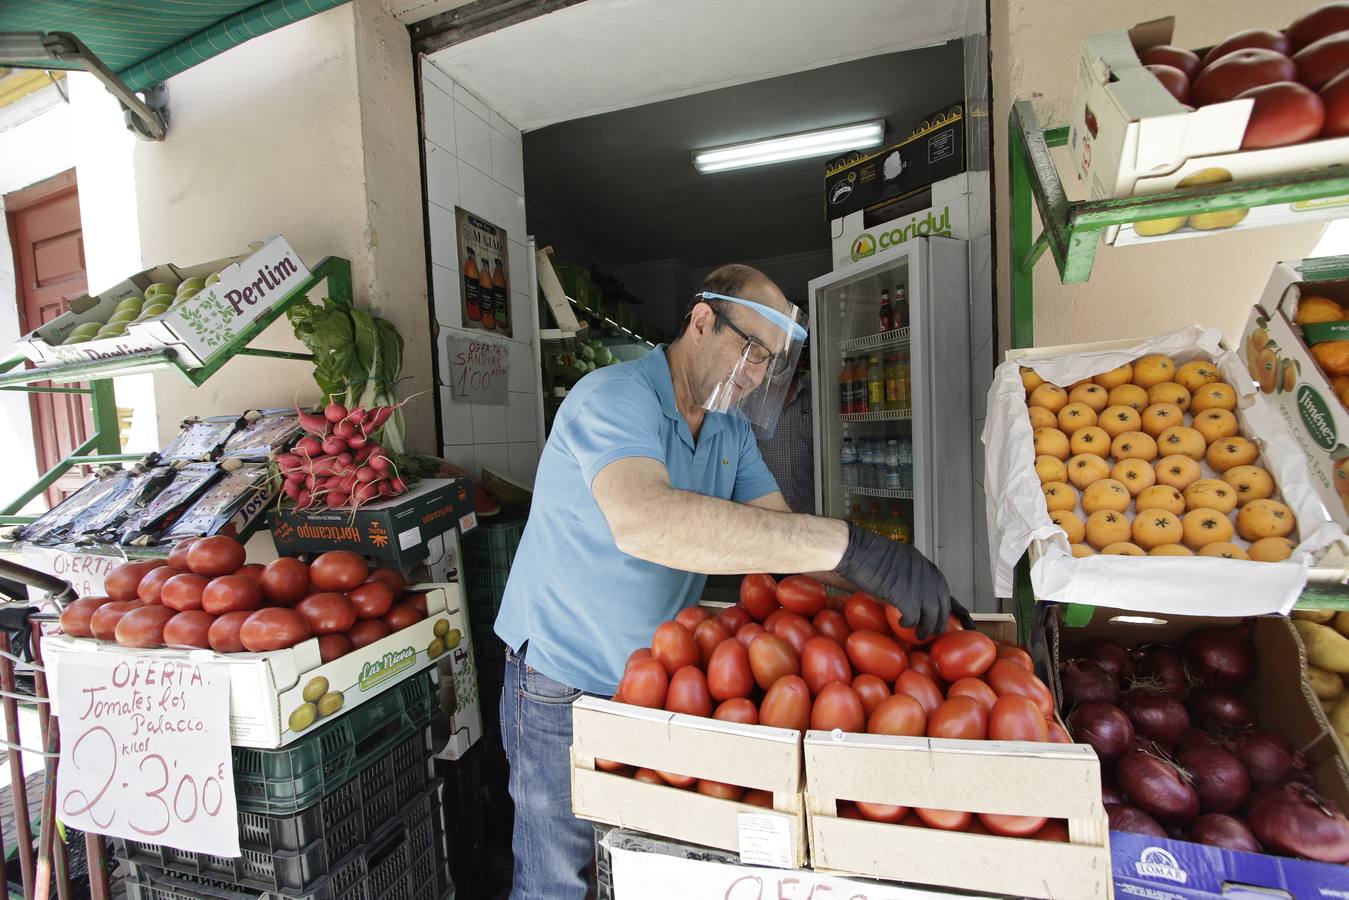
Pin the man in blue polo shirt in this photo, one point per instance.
(651, 480)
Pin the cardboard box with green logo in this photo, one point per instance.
(1278, 353)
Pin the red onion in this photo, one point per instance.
(1266, 757)
(1296, 821)
(1160, 667)
(1229, 832)
(1156, 716)
(1128, 818)
(1105, 727)
(1219, 778)
(1085, 681)
(1111, 794)
(1158, 788)
(1194, 737)
(1213, 708)
(1111, 655)
(1221, 657)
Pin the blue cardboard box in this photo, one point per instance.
(1161, 869)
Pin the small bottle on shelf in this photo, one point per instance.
(905, 464)
(903, 378)
(896, 528)
(859, 385)
(891, 478)
(876, 519)
(887, 312)
(849, 463)
(900, 314)
(892, 382)
(875, 385)
(845, 386)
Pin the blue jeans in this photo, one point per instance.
(553, 850)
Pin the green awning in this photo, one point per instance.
(147, 41)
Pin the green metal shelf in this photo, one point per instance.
(1072, 230)
(103, 446)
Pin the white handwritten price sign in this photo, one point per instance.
(145, 751)
(480, 370)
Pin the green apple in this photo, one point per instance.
(191, 284)
(89, 327)
(123, 315)
(160, 287)
(113, 329)
(154, 310)
(77, 338)
(186, 295)
(213, 278)
(128, 302)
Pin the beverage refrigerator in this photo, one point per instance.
(890, 362)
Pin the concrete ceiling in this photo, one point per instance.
(604, 55)
(623, 183)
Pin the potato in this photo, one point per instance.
(1326, 685)
(1319, 616)
(1342, 622)
(1339, 721)
(1326, 648)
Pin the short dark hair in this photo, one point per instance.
(730, 279)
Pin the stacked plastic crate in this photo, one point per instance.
(489, 551)
(342, 814)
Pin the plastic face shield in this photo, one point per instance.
(757, 384)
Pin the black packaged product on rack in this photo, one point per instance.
(201, 439)
(53, 526)
(231, 505)
(101, 525)
(265, 432)
(189, 482)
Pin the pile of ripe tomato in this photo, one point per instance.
(783, 657)
(205, 595)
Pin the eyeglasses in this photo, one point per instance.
(755, 351)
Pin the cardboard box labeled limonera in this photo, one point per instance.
(1130, 136)
(267, 689)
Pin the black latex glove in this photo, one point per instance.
(901, 576)
(962, 614)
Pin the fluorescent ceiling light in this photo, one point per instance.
(825, 142)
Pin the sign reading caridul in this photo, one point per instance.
(480, 370)
(145, 751)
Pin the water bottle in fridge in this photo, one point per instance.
(891, 481)
(849, 463)
(905, 464)
(868, 473)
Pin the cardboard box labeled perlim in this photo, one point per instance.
(1129, 136)
(940, 209)
(270, 703)
(396, 530)
(195, 322)
(1281, 357)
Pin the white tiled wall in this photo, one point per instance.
(474, 160)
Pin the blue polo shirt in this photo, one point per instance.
(581, 603)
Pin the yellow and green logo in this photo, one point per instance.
(864, 246)
(386, 667)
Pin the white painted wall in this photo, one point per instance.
(473, 159)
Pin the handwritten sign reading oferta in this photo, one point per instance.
(145, 751)
(480, 370)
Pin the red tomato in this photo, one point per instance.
(734, 618)
(1319, 62)
(645, 683)
(1327, 19)
(75, 617)
(178, 555)
(333, 646)
(786, 705)
(830, 623)
(648, 776)
(773, 617)
(683, 782)
(871, 690)
(1013, 826)
(329, 613)
(1054, 830)
(878, 812)
(944, 819)
(143, 627)
(1257, 38)
(285, 581)
(793, 628)
(864, 611)
(920, 688)
(1239, 71)
(1178, 57)
(1006, 677)
(974, 688)
(223, 635)
(608, 765)
(759, 595)
(691, 617)
(151, 586)
(755, 797)
(673, 646)
(639, 653)
(900, 715)
(372, 599)
(848, 810)
(367, 631)
(1284, 113)
(392, 577)
(1016, 718)
(771, 658)
(909, 636)
(419, 601)
(1335, 96)
(921, 661)
(403, 615)
(1173, 80)
(721, 791)
(802, 595)
(122, 582)
(1057, 734)
(1016, 655)
(747, 633)
(959, 717)
(709, 634)
(227, 593)
(963, 654)
(189, 629)
(273, 628)
(873, 652)
(688, 693)
(728, 672)
(823, 662)
(103, 621)
(738, 709)
(838, 706)
(339, 570)
(251, 570)
(183, 591)
(215, 555)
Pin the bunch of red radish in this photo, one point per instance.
(782, 657)
(205, 595)
(1180, 756)
(338, 464)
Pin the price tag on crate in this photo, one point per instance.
(145, 751)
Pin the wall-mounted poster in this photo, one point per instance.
(484, 265)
